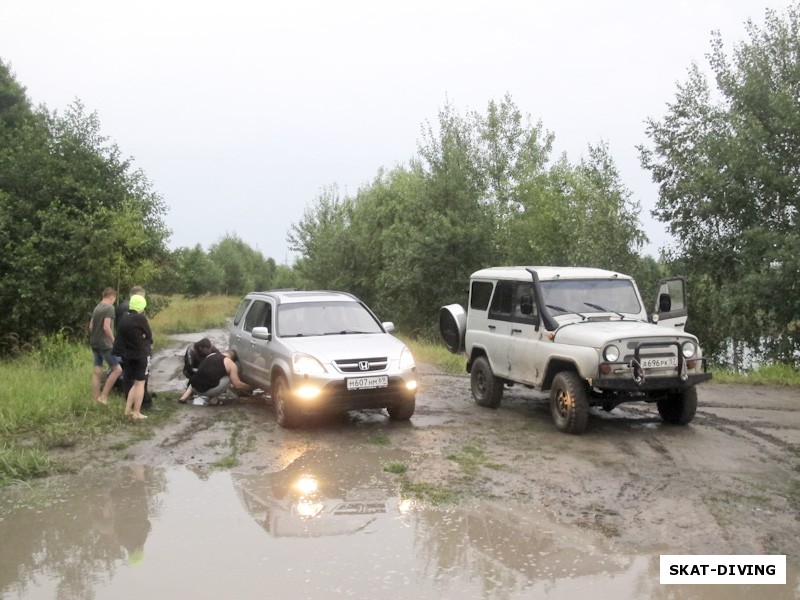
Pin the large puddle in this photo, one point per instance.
(328, 525)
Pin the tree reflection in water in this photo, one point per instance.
(76, 531)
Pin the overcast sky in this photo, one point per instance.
(241, 112)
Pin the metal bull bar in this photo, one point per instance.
(638, 370)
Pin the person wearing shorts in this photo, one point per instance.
(101, 339)
(134, 343)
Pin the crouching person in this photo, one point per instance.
(214, 376)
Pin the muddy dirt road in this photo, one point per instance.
(729, 483)
(461, 501)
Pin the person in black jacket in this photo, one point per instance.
(134, 343)
(195, 354)
(125, 385)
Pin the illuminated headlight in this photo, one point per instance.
(307, 392)
(611, 353)
(688, 349)
(411, 385)
(308, 510)
(406, 359)
(305, 364)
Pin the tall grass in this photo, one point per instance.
(46, 403)
(431, 352)
(192, 315)
(781, 375)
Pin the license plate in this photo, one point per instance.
(660, 362)
(368, 383)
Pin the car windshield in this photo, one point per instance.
(324, 318)
(591, 295)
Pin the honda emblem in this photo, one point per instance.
(363, 365)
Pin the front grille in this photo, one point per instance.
(356, 365)
(651, 349)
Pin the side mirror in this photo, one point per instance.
(261, 333)
(388, 326)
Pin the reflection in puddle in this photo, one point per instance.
(328, 525)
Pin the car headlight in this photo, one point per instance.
(406, 359)
(611, 353)
(305, 364)
(688, 349)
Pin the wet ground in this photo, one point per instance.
(461, 502)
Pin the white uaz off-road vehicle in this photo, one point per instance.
(584, 334)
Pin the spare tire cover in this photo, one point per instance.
(453, 326)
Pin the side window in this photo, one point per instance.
(480, 295)
(525, 309)
(240, 312)
(257, 315)
(674, 291)
(502, 301)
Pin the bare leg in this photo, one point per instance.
(98, 371)
(112, 378)
(134, 403)
(186, 395)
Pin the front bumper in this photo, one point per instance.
(335, 396)
(639, 379)
(650, 383)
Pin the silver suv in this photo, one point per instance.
(317, 351)
(583, 334)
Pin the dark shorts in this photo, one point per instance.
(101, 356)
(136, 369)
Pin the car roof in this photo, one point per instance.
(521, 273)
(296, 296)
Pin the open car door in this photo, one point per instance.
(671, 309)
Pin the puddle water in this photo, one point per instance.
(328, 525)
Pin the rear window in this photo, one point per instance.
(480, 295)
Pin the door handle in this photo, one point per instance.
(516, 331)
(492, 327)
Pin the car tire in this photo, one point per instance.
(487, 390)
(678, 407)
(402, 411)
(569, 403)
(285, 411)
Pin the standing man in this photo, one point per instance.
(134, 343)
(122, 308)
(101, 339)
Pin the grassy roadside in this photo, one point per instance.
(46, 404)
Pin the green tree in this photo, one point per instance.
(577, 215)
(243, 268)
(479, 192)
(198, 274)
(74, 216)
(725, 159)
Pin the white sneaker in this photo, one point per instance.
(200, 401)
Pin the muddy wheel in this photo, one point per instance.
(486, 388)
(402, 411)
(569, 403)
(285, 411)
(678, 407)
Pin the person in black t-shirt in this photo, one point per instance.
(215, 375)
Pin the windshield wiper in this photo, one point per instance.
(345, 332)
(564, 310)
(598, 307)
